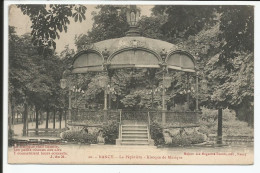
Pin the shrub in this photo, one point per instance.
(10, 137)
(187, 139)
(157, 134)
(110, 132)
(79, 136)
(10, 133)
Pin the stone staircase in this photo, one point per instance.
(134, 134)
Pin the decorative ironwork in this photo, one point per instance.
(163, 64)
(132, 15)
(176, 119)
(163, 54)
(105, 54)
(87, 117)
(134, 116)
(88, 46)
(102, 81)
(137, 43)
(181, 118)
(113, 115)
(63, 83)
(167, 81)
(173, 118)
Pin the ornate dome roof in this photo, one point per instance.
(132, 52)
(113, 45)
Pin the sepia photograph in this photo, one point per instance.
(130, 84)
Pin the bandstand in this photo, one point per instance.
(135, 52)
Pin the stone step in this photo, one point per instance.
(133, 132)
(131, 129)
(134, 140)
(134, 143)
(136, 127)
(135, 136)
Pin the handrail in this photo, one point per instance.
(175, 118)
(119, 130)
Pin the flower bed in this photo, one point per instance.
(187, 139)
(79, 136)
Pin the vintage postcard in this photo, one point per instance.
(130, 84)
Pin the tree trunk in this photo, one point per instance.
(219, 140)
(41, 115)
(54, 113)
(17, 116)
(61, 112)
(31, 117)
(12, 113)
(65, 117)
(25, 115)
(37, 120)
(47, 119)
(152, 97)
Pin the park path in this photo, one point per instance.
(18, 128)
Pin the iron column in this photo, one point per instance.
(197, 91)
(163, 101)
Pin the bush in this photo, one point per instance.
(79, 136)
(157, 134)
(110, 132)
(10, 133)
(187, 139)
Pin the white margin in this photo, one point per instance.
(11, 168)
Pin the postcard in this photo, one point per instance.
(130, 84)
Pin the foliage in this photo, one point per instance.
(79, 136)
(187, 139)
(106, 23)
(33, 80)
(231, 125)
(48, 20)
(150, 27)
(184, 21)
(110, 132)
(220, 38)
(226, 81)
(10, 133)
(157, 133)
(237, 26)
(230, 71)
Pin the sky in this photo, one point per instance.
(23, 24)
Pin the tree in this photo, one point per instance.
(107, 22)
(237, 26)
(226, 70)
(184, 20)
(33, 80)
(236, 60)
(25, 77)
(48, 20)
